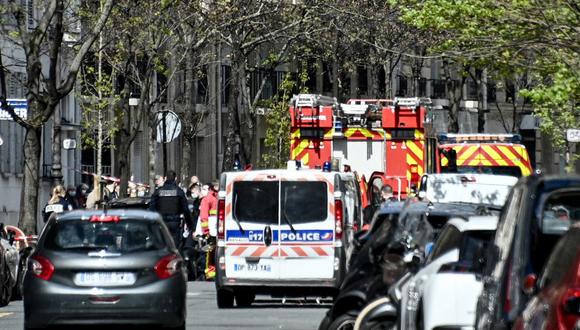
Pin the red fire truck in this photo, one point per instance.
(381, 140)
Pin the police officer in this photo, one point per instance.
(170, 201)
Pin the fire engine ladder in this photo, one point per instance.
(312, 101)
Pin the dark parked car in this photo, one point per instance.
(557, 303)
(8, 267)
(141, 203)
(370, 276)
(537, 213)
(118, 267)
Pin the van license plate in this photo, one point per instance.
(104, 279)
(252, 267)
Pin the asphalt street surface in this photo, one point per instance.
(202, 312)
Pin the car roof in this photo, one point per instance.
(473, 223)
(479, 177)
(133, 214)
(552, 182)
(288, 173)
(442, 208)
(391, 207)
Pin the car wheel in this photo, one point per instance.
(17, 290)
(225, 298)
(5, 287)
(245, 298)
(179, 327)
(343, 322)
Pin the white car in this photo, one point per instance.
(444, 293)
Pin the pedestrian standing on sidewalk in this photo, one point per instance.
(170, 201)
(56, 204)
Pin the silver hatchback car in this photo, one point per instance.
(114, 267)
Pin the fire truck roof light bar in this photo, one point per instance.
(466, 138)
(313, 100)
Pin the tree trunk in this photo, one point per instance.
(30, 183)
(152, 150)
(189, 117)
(480, 101)
(373, 82)
(56, 170)
(354, 91)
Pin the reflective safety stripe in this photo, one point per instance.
(292, 251)
(204, 224)
(212, 212)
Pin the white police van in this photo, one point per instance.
(283, 233)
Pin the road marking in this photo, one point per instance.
(5, 314)
(194, 293)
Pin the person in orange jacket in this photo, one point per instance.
(208, 222)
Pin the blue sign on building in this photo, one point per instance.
(20, 107)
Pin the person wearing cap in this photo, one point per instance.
(111, 190)
(169, 200)
(208, 223)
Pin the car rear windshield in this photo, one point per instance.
(473, 249)
(121, 236)
(301, 201)
(560, 210)
(497, 170)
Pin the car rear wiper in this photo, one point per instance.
(86, 247)
(285, 217)
(288, 222)
(234, 215)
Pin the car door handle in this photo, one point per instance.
(267, 236)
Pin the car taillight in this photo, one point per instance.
(570, 307)
(41, 267)
(221, 215)
(105, 218)
(167, 266)
(338, 219)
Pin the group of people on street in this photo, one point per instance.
(169, 199)
(171, 202)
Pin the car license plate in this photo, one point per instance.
(104, 279)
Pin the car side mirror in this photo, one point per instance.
(529, 286)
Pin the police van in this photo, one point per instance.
(284, 233)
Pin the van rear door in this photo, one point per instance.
(306, 229)
(252, 228)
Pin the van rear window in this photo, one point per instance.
(123, 236)
(304, 201)
(255, 201)
(300, 201)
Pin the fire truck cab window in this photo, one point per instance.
(497, 170)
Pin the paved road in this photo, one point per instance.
(202, 313)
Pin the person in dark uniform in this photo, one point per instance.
(169, 200)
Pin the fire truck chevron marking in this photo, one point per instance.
(493, 156)
(508, 152)
(416, 148)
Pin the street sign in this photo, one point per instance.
(573, 135)
(20, 107)
(168, 126)
(69, 144)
